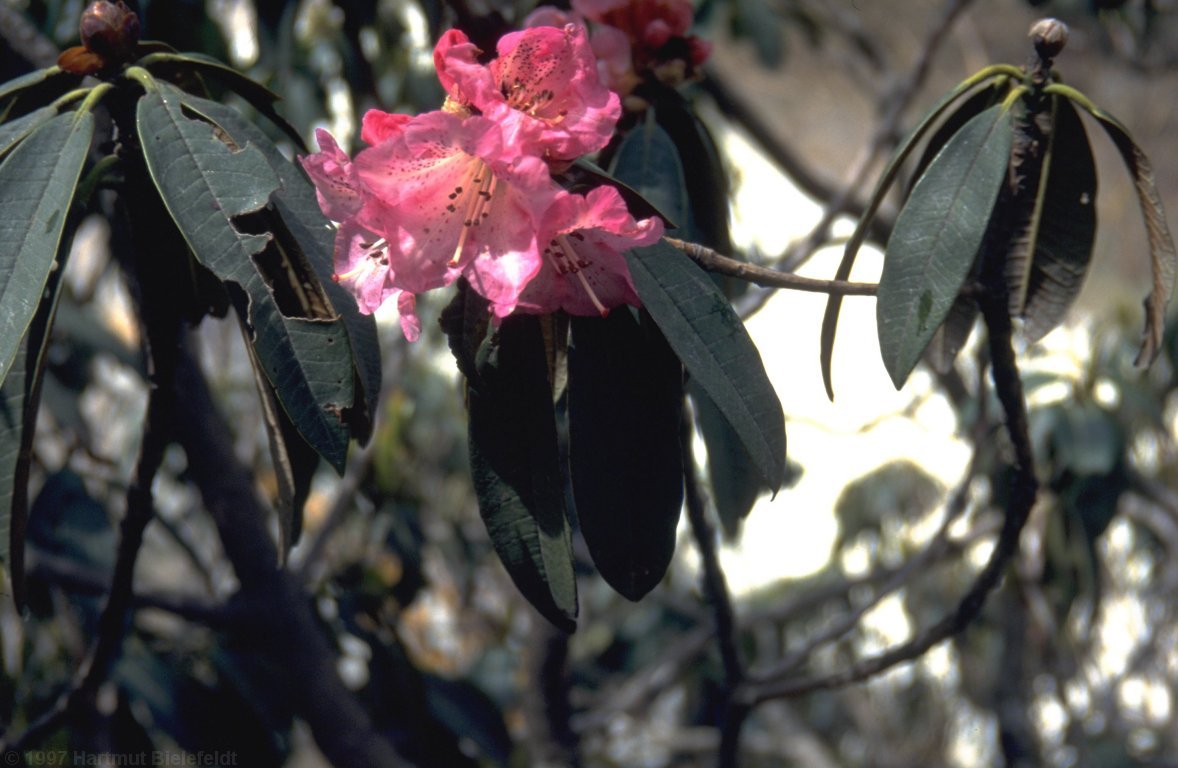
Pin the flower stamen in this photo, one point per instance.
(478, 199)
(576, 266)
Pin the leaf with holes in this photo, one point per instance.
(937, 237)
(211, 189)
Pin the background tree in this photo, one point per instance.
(210, 567)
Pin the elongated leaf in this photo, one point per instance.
(209, 187)
(312, 235)
(937, 237)
(736, 483)
(37, 184)
(50, 80)
(712, 343)
(15, 131)
(625, 414)
(258, 95)
(20, 398)
(648, 162)
(999, 74)
(515, 465)
(1163, 258)
(1062, 231)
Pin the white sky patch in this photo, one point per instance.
(793, 535)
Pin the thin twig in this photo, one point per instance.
(764, 276)
(1024, 488)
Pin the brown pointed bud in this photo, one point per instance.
(110, 29)
(1049, 36)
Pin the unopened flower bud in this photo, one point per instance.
(110, 29)
(1049, 36)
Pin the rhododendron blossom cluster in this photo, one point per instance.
(468, 190)
(635, 39)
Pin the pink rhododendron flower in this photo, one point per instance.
(583, 270)
(543, 88)
(436, 192)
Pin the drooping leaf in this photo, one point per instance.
(37, 182)
(171, 65)
(713, 345)
(998, 74)
(937, 236)
(210, 188)
(1163, 258)
(734, 478)
(625, 415)
(515, 465)
(1061, 232)
(296, 204)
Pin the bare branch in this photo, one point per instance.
(773, 278)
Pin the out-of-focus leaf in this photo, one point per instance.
(752, 19)
(516, 468)
(37, 182)
(937, 236)
(625, 414)
(1163, 258)
(470, 713)
(712, 343)
(208, 186)
(648, 162)
(1050, 257)
(998, 75)
(295, 202)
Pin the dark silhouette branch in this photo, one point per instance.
(279, 620)
(1024, 489)
(716, 588)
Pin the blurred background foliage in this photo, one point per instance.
(1073, 662)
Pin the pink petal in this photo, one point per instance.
(362, 267)
(464, 79)
(583, 270)
(548, 76)
(410, 322)
(334, 178)
(379, 126)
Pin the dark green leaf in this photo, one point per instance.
(311, 235)
(469, 713)
(1163, 258)
(735, 482)
(712, 343)
(515, 465)
(998, 75)
(37, 184)
(209, 189)
(648, 162)
(51, 78)
(625, 414)
(1060, 231)
(583, 176)
(170, 65)
(937, 236)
